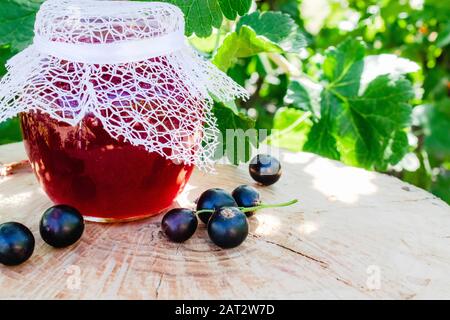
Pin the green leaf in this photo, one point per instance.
(290, 129)
(321, 139)
(17, 22)
(5, 54)
(299, 97)
(246, 43)
(441, 187)
(204, 45)
(237, 135)
(435, 84)
(322, 142)
(257, 33)
(202, 15)
(397, 148)
(10, 131)
(291, 7)
(369, 128)
(277, 27)
(366, 130)
(343, 67)
(231, 8)
(437, 130)
(231, 105)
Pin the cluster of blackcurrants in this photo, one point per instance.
(225, 214)
(60, 226)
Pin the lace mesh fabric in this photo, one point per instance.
(162, 103)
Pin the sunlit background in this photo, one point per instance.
(402, 38)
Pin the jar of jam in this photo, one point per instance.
(106, 179)
(115, 107)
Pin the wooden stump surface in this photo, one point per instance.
(354, 235)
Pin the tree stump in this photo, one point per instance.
(354, 234)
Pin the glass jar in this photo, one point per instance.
(115, 106)
(106, 179)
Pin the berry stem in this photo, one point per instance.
(261, 206)
(266, 206)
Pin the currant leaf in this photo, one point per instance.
(17, 21)
(270, 32)
(366, 129)
(370, 129)
(236, 137)
(202, 15)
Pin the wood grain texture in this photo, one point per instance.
(350, 226)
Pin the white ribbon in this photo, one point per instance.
(114, 52)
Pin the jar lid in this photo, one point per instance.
(104, 32)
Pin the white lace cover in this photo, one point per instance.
(128, 64)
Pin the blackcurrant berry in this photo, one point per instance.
(213, 199)
(179, 224)
(228, 227)
(265, 169)
(247, 196)
(61, 226)
(16, 243)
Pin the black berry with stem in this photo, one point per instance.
(245, 197)
(213, 199)
(265, 169)
(228, 227)
(179, 224)
(16, 243)
(61, 226)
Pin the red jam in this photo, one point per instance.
(106, 179)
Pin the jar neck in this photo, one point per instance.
(114, 52)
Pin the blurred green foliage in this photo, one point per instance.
(365, 82)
